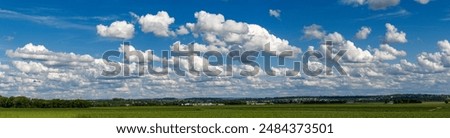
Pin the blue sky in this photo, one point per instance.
(72, 27)
(423, 23)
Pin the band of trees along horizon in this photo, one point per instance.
(25, 102)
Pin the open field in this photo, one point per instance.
(370, 110)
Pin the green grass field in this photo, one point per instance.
(371, 110)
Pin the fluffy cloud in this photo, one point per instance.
(182, 30)
(30, 67)
(30, 48)
(275, 13)
(3, 67)
(49, 58)
(391, 50)
(363, 33)
(216, 24)
(216, 31)
(197, 63)
(431, 62)
(131, 52)
(393, 35)
(198, 47)
(373, 4)
(444, 45)
(117, 29)
(335, 37)
(423, 1)
(356, 54)
(157, 24)
(313, 31)
(387, 52)
(435, 62)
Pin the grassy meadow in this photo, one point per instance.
(369, 110)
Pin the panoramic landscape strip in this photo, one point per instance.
(388, 106)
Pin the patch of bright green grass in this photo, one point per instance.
(371, 110)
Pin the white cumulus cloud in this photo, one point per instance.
(117, 29)
(182, 30)
(3, 67)
(30, 67)
(356, 54)
(49, 58)
(435, 62)
(363, 33)
(387, 52)
(393, 35)
(313, 31)
(335, 37)
(216, 31)
(157, 24)
(444, 45)
(431, 62)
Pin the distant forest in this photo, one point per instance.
(25, 102)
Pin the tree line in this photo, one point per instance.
(25, 102)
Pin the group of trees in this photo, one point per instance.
(409, 101)
(24, 102)
(404, 101)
